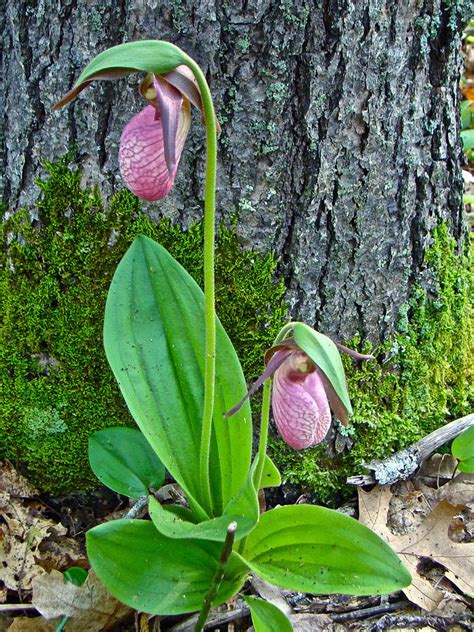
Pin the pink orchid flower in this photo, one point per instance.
(301, 395)
(299, 402)
(153, 140)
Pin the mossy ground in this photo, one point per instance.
(423, 377)
(55, 385)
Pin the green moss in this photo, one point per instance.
(423, 378)
(55, 385)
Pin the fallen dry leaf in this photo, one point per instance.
(90, 606)
(459, 491)
(29, 541)
(14, 484)
(34, 624)
(431, 480)
(429, 540)
(438, 467)
(22, 529)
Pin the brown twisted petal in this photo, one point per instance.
(104, 75)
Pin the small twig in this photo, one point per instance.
(402, 464)
(218, 576)
(215, 619)
(438, 623)
(272, 594)
(365, 613)
(137, 507)
(14, 607)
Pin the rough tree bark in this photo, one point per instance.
(340, 145)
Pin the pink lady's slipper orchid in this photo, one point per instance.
(153, 140)
(299, 401)
(301, 395)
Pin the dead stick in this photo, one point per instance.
(436, 622)
(14, 607)
(365, 613)
(402, 464)
(272, 594)
(137, 507)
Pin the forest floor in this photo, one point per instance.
(428, 520)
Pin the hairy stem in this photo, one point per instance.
(209, 283)
(263, 439)
(265, 416)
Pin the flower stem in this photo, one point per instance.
(209, 283)
(265, 415)
(283, 332)
(218, 576)
(263, 439)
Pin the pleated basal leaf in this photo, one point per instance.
(154, 341)
(271, 476)
(463, 449)
(313, 549)
(154, 574)
(242, 509)
(173, 526)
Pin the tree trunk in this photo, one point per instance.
(340, 147)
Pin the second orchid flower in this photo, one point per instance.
(308, 379)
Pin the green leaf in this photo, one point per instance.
(468, 199)
(467, 465)
(173, 526)
(324, 353)
(467, 137)
(266, 617)
(75, 575)
(122, 459)
(245, 502)
(271, 476)
(154, 341)
(312, 549)
(242, 509)
(463, 449)
(153, 56)
(154, 574)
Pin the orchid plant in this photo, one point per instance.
(181, 379)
